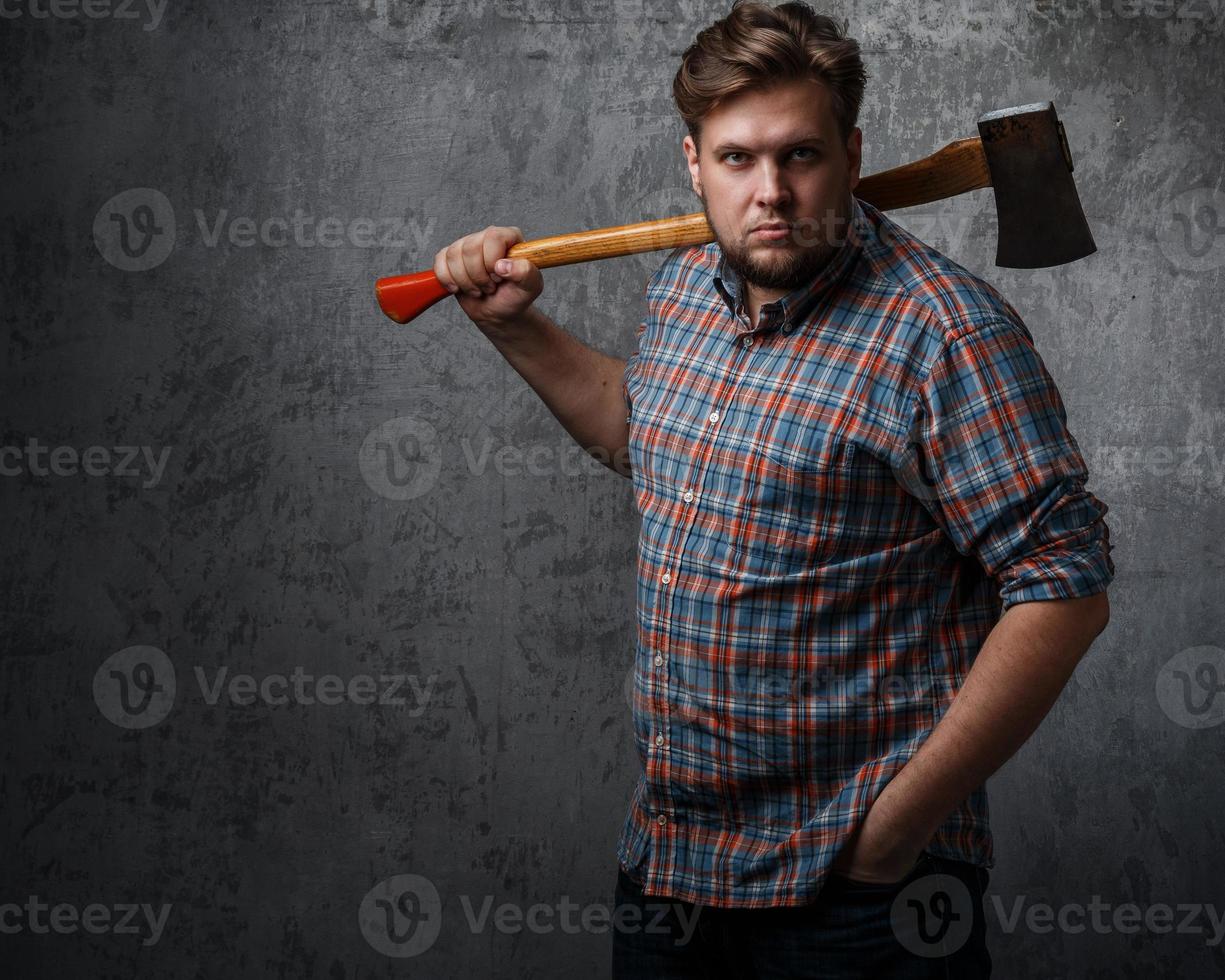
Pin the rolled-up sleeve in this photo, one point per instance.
(1004, 478)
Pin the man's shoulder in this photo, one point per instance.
(683, 269)
(939, 299)
(952, 299)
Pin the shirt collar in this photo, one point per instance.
(789, 312)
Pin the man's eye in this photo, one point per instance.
(807, 151)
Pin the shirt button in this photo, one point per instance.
(714, 416)
(659, 660)
(747, 342)
(661, 819)
(688, 498)
(659, 739)
(665, 578)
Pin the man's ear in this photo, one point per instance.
(854, 156)
(695, 170)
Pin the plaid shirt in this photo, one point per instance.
(837, 506)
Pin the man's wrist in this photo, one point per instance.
(527, 331)
(900, 828)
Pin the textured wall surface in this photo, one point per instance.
(299, 602)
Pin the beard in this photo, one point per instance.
(792, 263)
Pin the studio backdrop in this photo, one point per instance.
(317, 628)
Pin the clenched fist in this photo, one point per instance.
(492, 290)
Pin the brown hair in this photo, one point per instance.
(756, 46)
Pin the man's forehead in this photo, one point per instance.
(772, 118)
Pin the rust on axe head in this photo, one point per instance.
(1041, 222)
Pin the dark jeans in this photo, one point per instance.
(928, 925)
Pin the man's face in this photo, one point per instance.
(775, 156)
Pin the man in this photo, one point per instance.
(868, 563)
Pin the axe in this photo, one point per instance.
(1021, 152)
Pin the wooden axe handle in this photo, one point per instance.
(954, 169)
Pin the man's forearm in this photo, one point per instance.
(579, 385)
(1015, 680)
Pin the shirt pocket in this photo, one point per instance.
(787, 521)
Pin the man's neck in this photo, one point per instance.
(756, 298)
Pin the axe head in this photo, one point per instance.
(1040, 219)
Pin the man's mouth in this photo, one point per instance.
(772, 231)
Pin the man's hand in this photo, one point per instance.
(1016, 678)
(492, 290)
(871, 854)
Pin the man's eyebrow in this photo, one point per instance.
(728, 145)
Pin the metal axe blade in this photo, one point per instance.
(1022, 154)
(1040, 220)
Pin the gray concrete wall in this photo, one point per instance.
(316, 491)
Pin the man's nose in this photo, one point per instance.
(772, 189)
